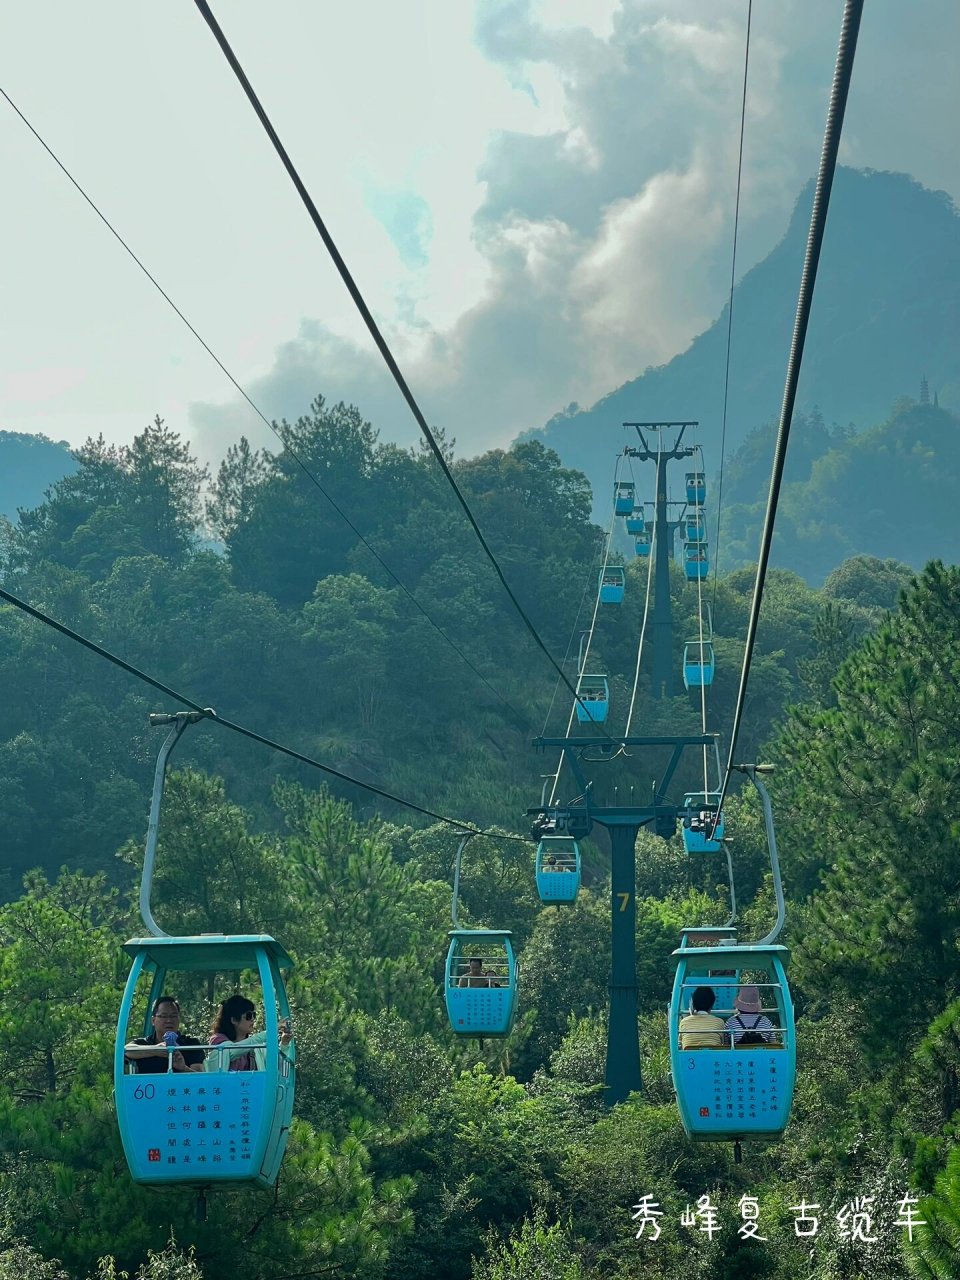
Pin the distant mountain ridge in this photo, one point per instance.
(886, 312)
(29, 465)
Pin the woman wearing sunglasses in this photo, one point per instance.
(234, 1024)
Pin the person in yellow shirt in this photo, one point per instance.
(700, 1029)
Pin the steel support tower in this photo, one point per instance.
(623, 1075)
(664, 532)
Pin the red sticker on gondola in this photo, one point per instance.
(704, 1111)
(153, 1154)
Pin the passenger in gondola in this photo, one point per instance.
(700, 1029)
(748, 1025)
(151, 1054)
(234, 1023)
(476, 976)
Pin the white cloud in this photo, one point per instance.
(535, 197)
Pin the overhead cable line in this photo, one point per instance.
(703, 683)
(733, 277)
(523, 719)
(646, 603)
(566, 655)
(846, 51)
(378, 338)
(584, 655)
(101, 652)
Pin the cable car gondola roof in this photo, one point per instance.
(209, 951)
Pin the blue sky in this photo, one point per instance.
(535, 196)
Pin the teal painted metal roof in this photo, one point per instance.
(208, 952)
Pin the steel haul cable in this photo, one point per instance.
(376, 335)
(566, 655)
(846, 52)
(582, 665)
(703, 686)
(733, 277)
(651, 556)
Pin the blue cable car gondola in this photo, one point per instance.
(643, 544)
(558, 869)
(623, 497)
(732, 1090)
(696, 526)
(481, 982)
(163, 1139)
(734, 1077)
(594, 699)
(695, 837)
(699, 664)
(696, 563)
(159, 1127)
(481, 973)
(696, 488)
(613, 582)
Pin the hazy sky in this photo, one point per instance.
(535, 196)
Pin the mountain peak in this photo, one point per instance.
(886, 310)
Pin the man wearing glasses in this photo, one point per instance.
(151, 1053)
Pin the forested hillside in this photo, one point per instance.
(413, 1153)
(28, 466)
(884, 492)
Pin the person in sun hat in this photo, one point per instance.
(749, 1025)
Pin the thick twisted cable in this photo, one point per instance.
(846, 51)
(374, 331)
(733, 277)
(593, 623)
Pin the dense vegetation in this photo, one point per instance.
(883, 492)
(413, 1154)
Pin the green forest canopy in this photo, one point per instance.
(413, 1154)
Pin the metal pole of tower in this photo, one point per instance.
(662, 667)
